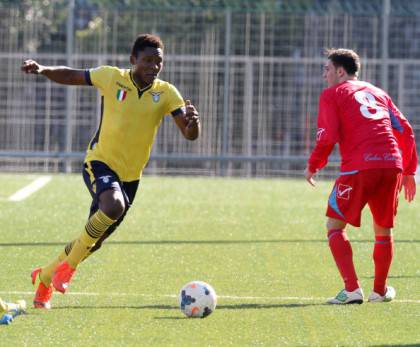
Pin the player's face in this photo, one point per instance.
(331, 75)
(147, 65)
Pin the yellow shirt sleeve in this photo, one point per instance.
(175, 100)
(100, 77)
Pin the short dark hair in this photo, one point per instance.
(146, 40)
(345, 58)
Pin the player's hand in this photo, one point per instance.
(31, 66)
(191, 114)
(309, 177)
(409, 184)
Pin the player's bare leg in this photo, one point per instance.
(381, 231)
(112, 203)
(343, 256)
(335, 224)
(382, 256)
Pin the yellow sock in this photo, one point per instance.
(97, 224)
(47, 271)
(3, 307)
(88, 254)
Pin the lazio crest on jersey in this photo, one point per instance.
(156, 96)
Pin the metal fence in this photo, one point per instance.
(255, 78)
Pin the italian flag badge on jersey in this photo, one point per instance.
(121, 94)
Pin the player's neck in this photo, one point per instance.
(347, 78)
(140, 84)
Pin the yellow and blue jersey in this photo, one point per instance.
(130, 118)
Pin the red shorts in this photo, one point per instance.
(379, 188)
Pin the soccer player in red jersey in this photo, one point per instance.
(379, 157)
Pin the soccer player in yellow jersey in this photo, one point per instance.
(134, 102)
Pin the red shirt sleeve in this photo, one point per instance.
(328, 131)
(403, 132)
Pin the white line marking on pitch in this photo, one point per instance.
(31, 188)
(231, 297)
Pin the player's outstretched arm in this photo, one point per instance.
(189, 122)
(59, 74)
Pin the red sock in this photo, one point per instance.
(383, 252)
(343, 256)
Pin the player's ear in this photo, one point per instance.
(133, 60)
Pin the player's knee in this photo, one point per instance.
(112, 204)
(335, 224)
(328, 225)
(116, 208)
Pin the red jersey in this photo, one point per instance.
(369, 128)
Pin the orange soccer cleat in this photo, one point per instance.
(43, 293)
(62, 276)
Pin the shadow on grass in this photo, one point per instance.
(250, 306)
(394, 276)
(190, 242)
(118, 307)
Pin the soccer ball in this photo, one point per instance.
(197, 299)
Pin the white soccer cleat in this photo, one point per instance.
(11, 310)
(17, 308)
(21, 306)
(389, 295)
(345, 297)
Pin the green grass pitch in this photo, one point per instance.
(260, 243)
